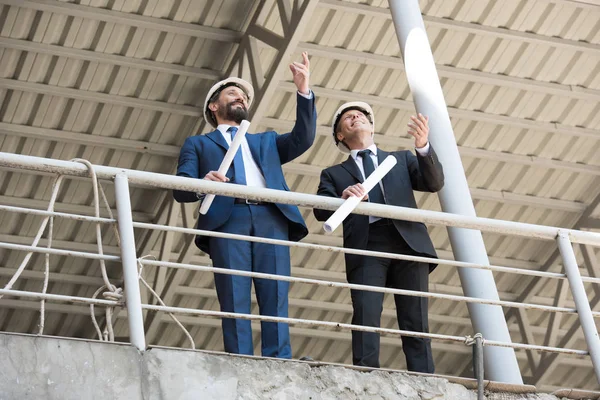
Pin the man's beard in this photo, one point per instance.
(232, 113)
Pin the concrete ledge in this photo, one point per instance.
(37, 367)
(577, 394)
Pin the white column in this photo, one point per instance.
(500, 363)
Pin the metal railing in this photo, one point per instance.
(130, 261)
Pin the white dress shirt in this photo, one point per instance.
(359, 163)
(254, 176)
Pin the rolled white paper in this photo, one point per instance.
(351, 202)
(227, 160)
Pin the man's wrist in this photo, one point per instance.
(423, 150)
(308, 95)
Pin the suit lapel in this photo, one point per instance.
(218, 138)
(391, 179)
(350, 166)
(254, 142)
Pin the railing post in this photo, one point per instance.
(582, 303)
(129, 259)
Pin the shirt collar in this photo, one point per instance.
(354, 153)
(223, 128)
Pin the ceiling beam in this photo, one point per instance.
(406, 143)
(173, 151)
(446, 71)
(107, 58)
(80, 209)
(99, 97)
(128, 19)
(86, 139)
(593, 5)
(247, 62)
(62, 244)
(591, 223)
(56, 277)
(478, 116)
(468, 27)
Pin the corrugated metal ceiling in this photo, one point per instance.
(121, 83)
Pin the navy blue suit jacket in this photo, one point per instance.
(201, 154)
(410, 173)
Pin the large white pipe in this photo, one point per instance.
(500, 363)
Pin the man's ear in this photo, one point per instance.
(213, 106)
(339, 136)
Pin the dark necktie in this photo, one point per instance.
(375, 195)
(239, 172)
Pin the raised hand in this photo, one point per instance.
(301, 73)
(419, 129)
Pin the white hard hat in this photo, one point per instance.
(353, 105)
(217, 87)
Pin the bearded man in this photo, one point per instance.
(257, 163)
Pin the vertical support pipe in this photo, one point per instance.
(129, 260)
(478, 367)
(582, 304)
(500, 363)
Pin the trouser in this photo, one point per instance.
(411, 311)
(234, 291)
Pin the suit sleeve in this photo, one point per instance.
(426, 172)
(188, 167)
(293, 144)
(326, 188)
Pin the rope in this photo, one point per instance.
(46, 278)
(112, 292)
(38, 236)
(470, 340)
(162, 303)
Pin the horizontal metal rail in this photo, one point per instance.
(343, 326)
(143, 225)
(59, 252)
(164, 181)
(291, 321)
(76, 217)
(451, 297)
(337, 249)
(59, 297)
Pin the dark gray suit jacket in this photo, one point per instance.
(410, 173)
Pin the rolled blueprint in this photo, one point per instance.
(351, 202)
(227, 160)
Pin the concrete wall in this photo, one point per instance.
(49, 368)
